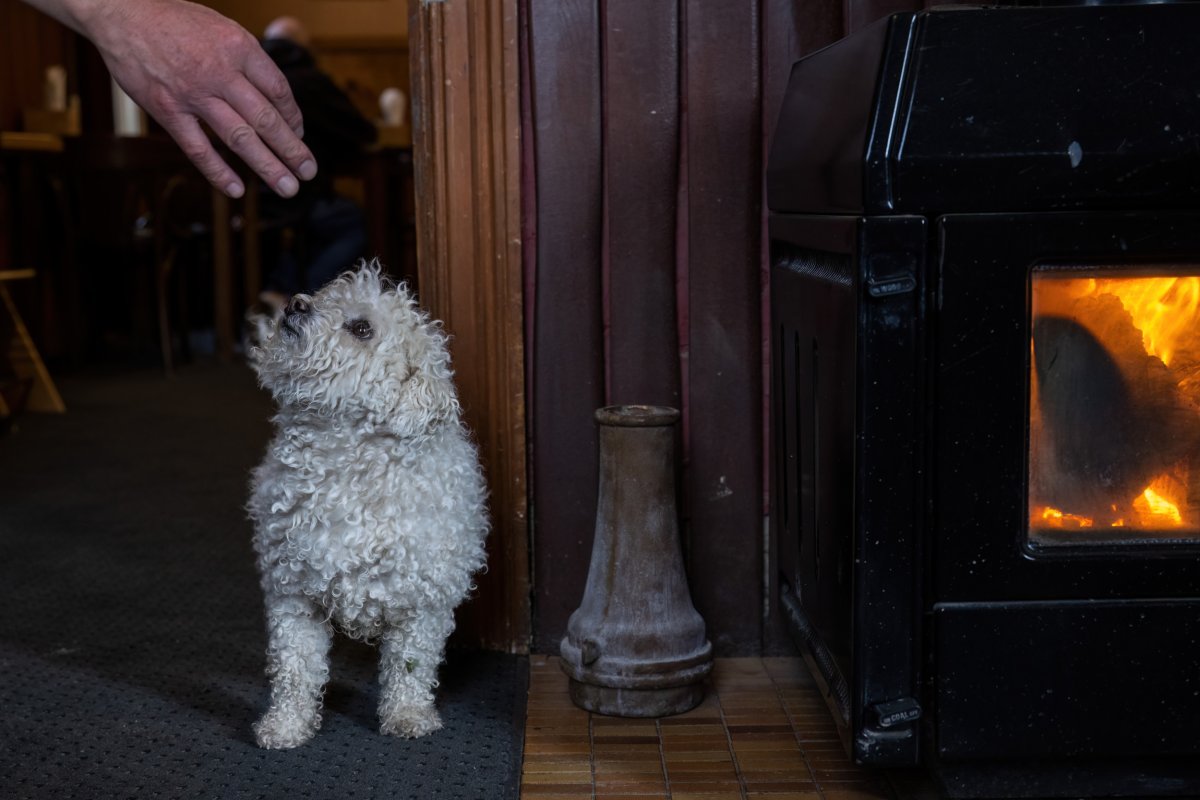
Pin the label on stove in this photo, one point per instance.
(896, 284)
(898, 712)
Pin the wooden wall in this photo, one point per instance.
(645, 271)
(29, 42)
(327, 19)
(364, 66)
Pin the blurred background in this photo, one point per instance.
(114, 248)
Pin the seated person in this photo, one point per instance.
(329, 231)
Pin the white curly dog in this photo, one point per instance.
(369, 507)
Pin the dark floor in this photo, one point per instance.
(131, 635)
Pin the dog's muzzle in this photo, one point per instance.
(297, 309)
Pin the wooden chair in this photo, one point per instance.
(19, 357)
(20, 354)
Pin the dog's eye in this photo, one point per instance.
(359, 328)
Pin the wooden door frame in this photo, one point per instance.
(467, 163)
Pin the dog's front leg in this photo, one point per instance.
(298, 666)
(410, 653)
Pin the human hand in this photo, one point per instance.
(184, 63)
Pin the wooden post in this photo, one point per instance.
(466, 155)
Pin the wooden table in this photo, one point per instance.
(160, 158)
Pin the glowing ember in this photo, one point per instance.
(1156, 510)
(1153, 509)
(1057, 519)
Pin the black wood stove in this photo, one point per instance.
(985, 284)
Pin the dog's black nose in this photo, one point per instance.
(298, 305)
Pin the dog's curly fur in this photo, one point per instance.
(369, 507)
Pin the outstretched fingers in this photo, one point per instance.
(185, 129)
(264, 76)
(271, 124)
(242, 136)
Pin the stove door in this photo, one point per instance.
(1066, 486)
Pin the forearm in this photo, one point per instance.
(91, 18)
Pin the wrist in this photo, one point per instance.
(101, 21)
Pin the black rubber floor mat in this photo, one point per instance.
(131, 630)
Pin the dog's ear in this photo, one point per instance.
(419, 395)
(429, 403)
(420, 403)
(258, 328)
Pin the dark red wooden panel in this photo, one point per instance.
(725, 387)
(567, 350)
(791, 30)
(29, 43)
(641, 173)
(861, 13)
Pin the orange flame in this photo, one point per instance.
(1163, 309)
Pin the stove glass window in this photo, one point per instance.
(1114, 407)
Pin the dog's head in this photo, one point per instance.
(359, 348)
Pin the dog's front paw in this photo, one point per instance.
(409, 722)
(278, 730)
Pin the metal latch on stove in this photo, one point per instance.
(897, 712)
(893, 284)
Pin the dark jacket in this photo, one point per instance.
(333, 128)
